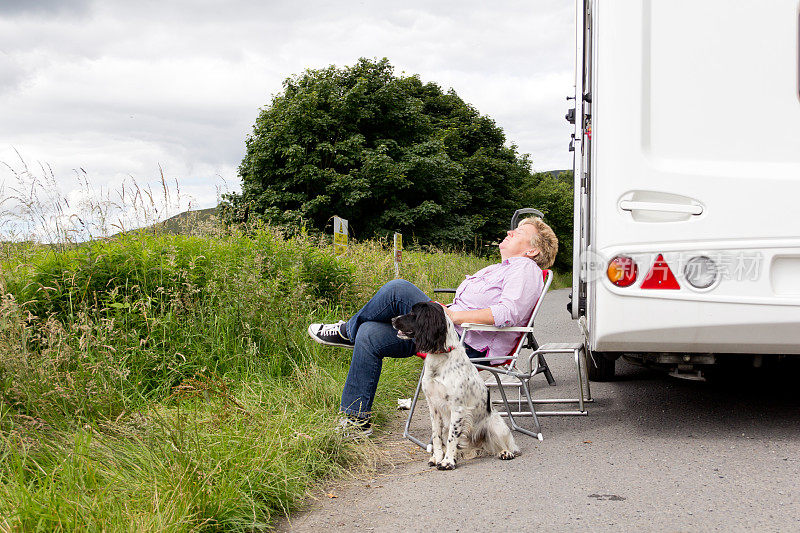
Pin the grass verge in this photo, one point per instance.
(155, 382)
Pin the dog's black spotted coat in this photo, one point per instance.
(462, 419)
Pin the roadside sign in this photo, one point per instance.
(398, 253)
(339, 235)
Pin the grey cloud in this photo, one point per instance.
(45, 7)
(12, 74)
(181, 82)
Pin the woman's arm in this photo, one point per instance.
(521, 289)
(476, 316)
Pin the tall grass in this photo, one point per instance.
(33, 207)
(156, 382)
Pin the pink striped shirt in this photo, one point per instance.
(510, 289)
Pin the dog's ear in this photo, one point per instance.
(431, 331)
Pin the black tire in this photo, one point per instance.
(600, 367)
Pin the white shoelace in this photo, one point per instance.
(328, 329)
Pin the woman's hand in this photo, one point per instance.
(448, 312)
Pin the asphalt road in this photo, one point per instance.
(654, 454)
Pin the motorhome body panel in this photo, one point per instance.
(696, 152)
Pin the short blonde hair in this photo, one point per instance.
(544, 240)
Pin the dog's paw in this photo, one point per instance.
(432, 461)
(446, 464)
(506, 455)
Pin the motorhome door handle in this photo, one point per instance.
(628, 205)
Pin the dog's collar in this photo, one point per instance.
(423, 354)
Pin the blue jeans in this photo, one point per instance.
(375, 338)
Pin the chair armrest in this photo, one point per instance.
(451, 291)
(466, 326)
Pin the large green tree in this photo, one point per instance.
(389, 153)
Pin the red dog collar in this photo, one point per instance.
(423, 354)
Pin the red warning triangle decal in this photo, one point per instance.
(660, 276)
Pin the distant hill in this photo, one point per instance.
(556, 173)
(561, 175)
(184, 222)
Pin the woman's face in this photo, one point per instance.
(518, 242)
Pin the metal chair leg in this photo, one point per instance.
(533, 344)
(510, 413)
(526, 388)
(547, 374)
(406, 433)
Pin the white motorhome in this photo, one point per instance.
(687, 181)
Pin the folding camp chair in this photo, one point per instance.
(521, 368)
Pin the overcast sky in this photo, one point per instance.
(119, 88)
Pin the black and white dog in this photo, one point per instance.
(459, 402)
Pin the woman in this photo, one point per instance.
(503, 294)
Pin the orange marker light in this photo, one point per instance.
(622, 271)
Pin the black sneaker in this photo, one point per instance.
(330, 334)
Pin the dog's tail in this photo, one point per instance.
(477, 432)
(467, 429)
